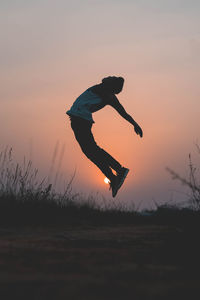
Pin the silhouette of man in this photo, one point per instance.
(92, 100)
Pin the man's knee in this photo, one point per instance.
(91, 150)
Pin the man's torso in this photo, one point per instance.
(92, 100)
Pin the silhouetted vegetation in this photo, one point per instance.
(60, 246)
(192, 182)
(26, 200)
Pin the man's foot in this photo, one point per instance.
(122, 176)
(114, 186)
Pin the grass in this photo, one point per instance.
(192, 182)
(24, 199)
(66, 246)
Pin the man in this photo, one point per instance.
(90, 101)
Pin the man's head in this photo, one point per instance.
(113, 84)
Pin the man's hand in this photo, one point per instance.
(138, 129)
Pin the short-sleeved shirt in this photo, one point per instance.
(89, 102)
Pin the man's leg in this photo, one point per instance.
(89, 147)
(113, 163)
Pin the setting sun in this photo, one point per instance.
(106, 180)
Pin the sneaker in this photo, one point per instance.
(122, 176)
(114, 186)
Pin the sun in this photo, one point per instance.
(106, 180)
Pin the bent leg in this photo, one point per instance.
(113, 163)
(98, 156)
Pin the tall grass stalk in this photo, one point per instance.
(20, 182)
(192, 182)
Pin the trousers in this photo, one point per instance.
(83, 133)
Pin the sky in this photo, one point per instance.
(52, 51)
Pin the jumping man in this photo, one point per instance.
(92, 100)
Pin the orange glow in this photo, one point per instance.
(160, 65)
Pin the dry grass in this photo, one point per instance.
(192, 182)
(24, 199)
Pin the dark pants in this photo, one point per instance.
(103, 160)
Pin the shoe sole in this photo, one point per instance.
(114, 193)
(123, 178)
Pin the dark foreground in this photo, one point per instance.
(131, 261)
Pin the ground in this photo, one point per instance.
(131, 261)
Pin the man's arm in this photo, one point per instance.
(120, 109)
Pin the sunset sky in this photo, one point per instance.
(51, 51)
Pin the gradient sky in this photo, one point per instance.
(51, 51)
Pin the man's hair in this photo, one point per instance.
(113, 83)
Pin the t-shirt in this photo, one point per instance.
(87, 103)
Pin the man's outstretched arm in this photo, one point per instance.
(120, 109)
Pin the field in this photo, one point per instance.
(60, 247)
(140, 258)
